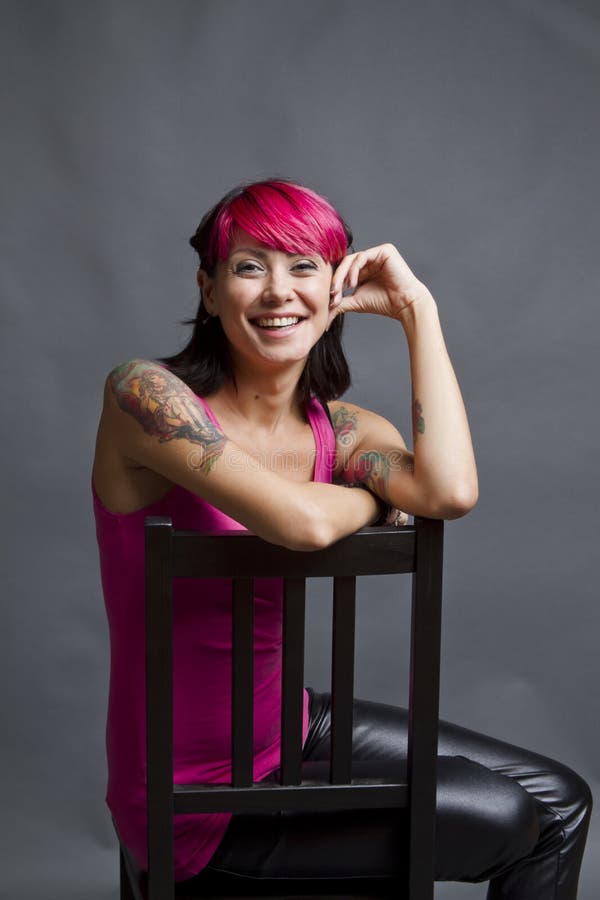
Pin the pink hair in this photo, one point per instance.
(282, 215)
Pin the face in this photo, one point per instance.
(273, 306)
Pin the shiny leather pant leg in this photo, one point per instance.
(504, 815)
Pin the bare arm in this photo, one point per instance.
(158, 422)
(444, 461)
(438, 479)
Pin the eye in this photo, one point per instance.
(247, 267)
(305, 265)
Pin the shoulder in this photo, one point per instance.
(124, 375)
(140, 381)
(140, 392)
(352, 423)
(122, 388)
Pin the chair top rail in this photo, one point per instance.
(224, 798)
(234, 554)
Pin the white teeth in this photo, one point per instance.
(278, 323)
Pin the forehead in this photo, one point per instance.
(242, 242)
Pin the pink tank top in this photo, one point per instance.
(202, 666)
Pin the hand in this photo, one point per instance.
(381, 281)
(396, 517)
(387, 515)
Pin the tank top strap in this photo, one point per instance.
(322, 427)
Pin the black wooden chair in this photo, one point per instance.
(242, 556)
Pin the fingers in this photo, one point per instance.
(346, 275)
(335, 309)
(396, 517)
(354, 272)
(343, 284)
(359, 267)
(376, 280)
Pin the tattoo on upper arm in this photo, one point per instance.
(418, 420)
(345, 426)
(372, 468)
(345, 423)
(167, 409)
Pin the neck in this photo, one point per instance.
(265, 401)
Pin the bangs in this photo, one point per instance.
(283, 216)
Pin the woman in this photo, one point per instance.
(243, 429)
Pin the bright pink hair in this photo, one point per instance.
(278, 213)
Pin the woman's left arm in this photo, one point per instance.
(439, 479)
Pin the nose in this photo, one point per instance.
(278, 287)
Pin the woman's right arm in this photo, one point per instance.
(156, 421)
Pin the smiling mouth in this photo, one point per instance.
(277, 323)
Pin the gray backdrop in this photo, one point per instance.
(465, 131)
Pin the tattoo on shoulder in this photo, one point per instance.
(166, 408)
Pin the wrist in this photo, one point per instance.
(422, 309)
(376, 508)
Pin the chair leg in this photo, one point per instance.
(126, 889)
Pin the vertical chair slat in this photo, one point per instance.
(294, 603)
(342, 678)
(424, 705)
(242, 725)
(159, 707)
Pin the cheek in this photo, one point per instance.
(231, 304)
(321, 297)
(325, 307)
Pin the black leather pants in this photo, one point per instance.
(504, 815)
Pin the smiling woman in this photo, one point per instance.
(274, 216)
(272, 305)
(244, 428)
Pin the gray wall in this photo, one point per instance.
(464, 131)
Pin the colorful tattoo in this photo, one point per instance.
(167, 409)
(418, 420)
(371, 468)
(345, 424)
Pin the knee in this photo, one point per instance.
(513, 822)
(485, 819)
(567, 794)
(584, 794)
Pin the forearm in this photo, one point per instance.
(444, 472)
(338, 511)
(300, 516)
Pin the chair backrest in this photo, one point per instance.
(241, 557)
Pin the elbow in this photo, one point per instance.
(316, 535)
(457, 503)
(302, 523)
(308, 532)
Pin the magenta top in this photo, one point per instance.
(202, 666)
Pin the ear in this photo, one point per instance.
(207, 286)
